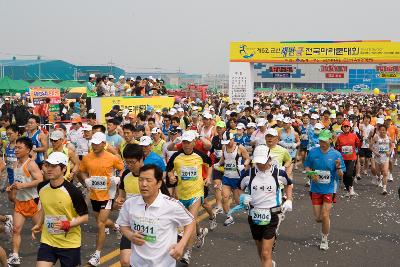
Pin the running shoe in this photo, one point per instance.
(380, 183)
(395, 162)
(307, 184)
(324, 244)
(94, 259)
(273, 263)
(358, 177)
(229, 221)
(375, 180)
(217, 210)
(213, 223)
(186, 257)
(390, 179)
(9, 225)
(201, 237)
(14, 259)
(384, 192)
(107, 231)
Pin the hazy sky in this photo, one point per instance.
(193, 36)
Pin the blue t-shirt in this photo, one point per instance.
(325, 164)
(244, 140)
(155, 159)
(114, 140)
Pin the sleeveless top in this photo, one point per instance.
(207, 134)
(289, 139)
(36, 144)
(382, 145)
(231, 163)
(11, 158)
(22, 175)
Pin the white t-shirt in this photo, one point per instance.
(259, 137)
(366, 130)
(158, 223)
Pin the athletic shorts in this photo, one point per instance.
(189, 202)
(27, 208)
(232, 182)
(260, 232)
(318, 199)
(217, 175)
(101, 205)
(68, 257)
(303, 148)
(125, 243)
(365, 153)
(381, 160)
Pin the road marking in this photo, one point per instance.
(117, 264)
(115, 253)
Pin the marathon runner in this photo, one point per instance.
(39, 140)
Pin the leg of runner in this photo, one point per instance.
(125, 252)
(348, 177)
(211, 216)
(266, 252)
(218, 192)
(358, 168)
(385, 172)
(102, 220)
(391, 162)
(194, 210)
(226, 201)
(44, 264)
(326, 224)
(3, 257)
(19, 221)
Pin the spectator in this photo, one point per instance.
(20, 113)
(7, 109)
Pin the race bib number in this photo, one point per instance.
(347, 150)
(19, 179)
(383, 149)
(365, 142)
(260, 216)
(189, 173)
(98, 183)
(324, 177)
(50, 221)
(218, 154)
(230, 166)
(10, 162)
(148, 227)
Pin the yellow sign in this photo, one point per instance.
(133, 104)
(386, 75)
(316, 52)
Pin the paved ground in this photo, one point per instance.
(365, 232)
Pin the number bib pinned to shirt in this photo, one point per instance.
(98, 183)
(189, 173)
(324, 177)
(347, 150)
(230, 166)
(260, 216)
(148, 227)
(383, 149)
(50, 220)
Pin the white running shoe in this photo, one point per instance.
(273, 263)
(213, 223)
(9, 225)
(186, 257)
(380, 183)
(395, 162)
(384, 192)
(307, 184)
(353, 193)
(390, 179)
(229, 221)
(94, 259)
(324, 244)
(117, 230)
(107, 231)
(200, 238)
(14, 259)
(217, 210)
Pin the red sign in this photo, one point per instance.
(334, 75)
(386, 68)
(333, 68)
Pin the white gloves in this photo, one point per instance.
(245, 182)
(287, 206)
(216, 165)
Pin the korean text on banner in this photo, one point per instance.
(38, 95)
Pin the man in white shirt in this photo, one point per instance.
(150, 222)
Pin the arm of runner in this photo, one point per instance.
(45, 144)
(36, 175)
(297, 138)
(176, 250)
(73, 157)
(2, 164)
(245, 156)
(37, 228)
(206, 143)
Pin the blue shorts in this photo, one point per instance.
(69, 257)
(10, 175)
(234, 183)
(189, 202)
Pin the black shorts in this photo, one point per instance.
(365, 153)
(125, 243)
(260, 232)
(68, 257)
(102, 205)
(217, 175)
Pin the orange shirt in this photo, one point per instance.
(392, 132)
(326, 123)
(102, 166)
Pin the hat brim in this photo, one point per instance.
(97, 142)
(324, 139)
(261, 159)
(187, 139)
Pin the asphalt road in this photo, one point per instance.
(364, 232)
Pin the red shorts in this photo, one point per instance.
(317, 199)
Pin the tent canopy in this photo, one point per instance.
(13, 86)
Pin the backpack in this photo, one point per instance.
(252, 174)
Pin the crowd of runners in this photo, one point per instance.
(156, 169)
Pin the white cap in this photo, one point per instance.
(92, 110)
(56, 158)
(145, 141)
(181, 110)
(121, 77)
(92, 76)
(31, 105)
(227, 138)
(188, 136)
(261, 154)
(228, 112)
(110, 76)
(207, 115)
(299, 114)
(279, 117)
(380, 121)
(86, 127)
(251, 124)
(7, 98)
(158, 110)
(314, 116)
(287, 120)
(98, 138)
(261, 122)
(172, 112)
(212, 108)
(125, 112)
(319, 126)
(240, 126)
(283, 107)
(272, 131)
(332, 116)
(155, 130)
(57, 135)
